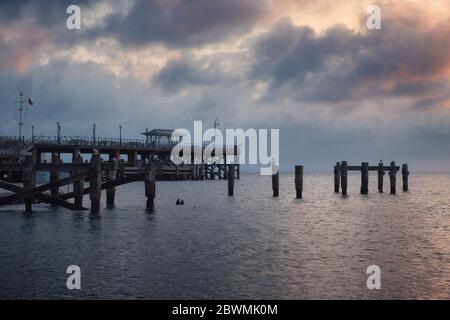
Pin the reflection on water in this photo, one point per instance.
(249, 246)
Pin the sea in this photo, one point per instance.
(250, 246)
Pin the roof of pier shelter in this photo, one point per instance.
(159, 133)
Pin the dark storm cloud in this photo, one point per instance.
(180, 73)
(186, 72)
(340, 65)
(182, 23)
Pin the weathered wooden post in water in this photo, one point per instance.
(230, 179)
(29, 179)
(96, 182)
(344, 177)
(337, 176)
(150, 186)
(393, 177)
(111, 175)
(364, 178)
(54, 175)
(78, 185)
(405, 174)
(299, 181)
(275, 182)
(192, 170)
(380, 177)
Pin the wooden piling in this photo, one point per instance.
(211, 172)
(78, 186)
(225, 171)
(132, 158)
(275, 183)
(380, 177)
(160, 170)
(111, 192)
(219, 166)
(344, 178)
(29, 179)
(364, 178)
(337, 176)
(299, 181)
(95, 182)
(150, 186)
(393, 177)
(230, 179)
(54, 175)
(405, 174)
(192, 171)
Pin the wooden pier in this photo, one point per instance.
(147, 161)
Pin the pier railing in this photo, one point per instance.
(10, 145)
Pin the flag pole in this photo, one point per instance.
(20, 114)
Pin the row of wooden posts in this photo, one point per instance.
(341, 171)
(341, 180)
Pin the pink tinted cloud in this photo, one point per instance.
(20, 45)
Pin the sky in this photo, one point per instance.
(312, 69)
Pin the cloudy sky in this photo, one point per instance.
(336, 90)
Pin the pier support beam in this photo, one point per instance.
(96, 182)
(225, 169)
(364, 178)
(393, 178)
(132, 158)
(299, 181)
(192, 171)
(211, 172)
(344, 178)
(230, 178)
(160, 170)
(111, 192)
(150, 186)
(54, 175)
(337, 176)
(220, 171)
(78, 186)
(380, 177)
(405, 174)
(29, 179)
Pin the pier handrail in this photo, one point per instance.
(12, 144)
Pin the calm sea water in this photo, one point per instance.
(249, 246)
